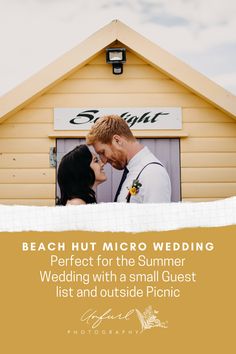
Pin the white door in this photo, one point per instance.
(166, 150)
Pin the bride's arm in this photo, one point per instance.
(75, 201)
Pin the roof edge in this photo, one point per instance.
(71, 61)
(178, 70)
(37, 84)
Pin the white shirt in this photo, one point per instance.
(156, 186)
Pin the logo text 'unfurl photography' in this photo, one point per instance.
(95, 321)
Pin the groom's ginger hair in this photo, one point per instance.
(106, 127)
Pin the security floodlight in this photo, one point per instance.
(116, 57)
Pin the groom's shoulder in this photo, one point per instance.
(151, 158)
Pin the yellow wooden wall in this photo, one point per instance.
(208, 154)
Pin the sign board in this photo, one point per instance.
(148, 118)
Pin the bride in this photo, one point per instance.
(79, 173)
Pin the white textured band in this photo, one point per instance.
(119, 217)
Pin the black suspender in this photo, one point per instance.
(150, 163)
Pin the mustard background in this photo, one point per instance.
(33, 320)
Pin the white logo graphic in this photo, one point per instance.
(148, 319)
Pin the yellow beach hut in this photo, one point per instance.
(194, 133)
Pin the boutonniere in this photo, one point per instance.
(134, 189)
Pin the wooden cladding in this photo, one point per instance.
(207, 153)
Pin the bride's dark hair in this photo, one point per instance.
(76, 177)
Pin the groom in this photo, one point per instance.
(144, 179)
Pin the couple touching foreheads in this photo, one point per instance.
(144, 179)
